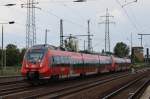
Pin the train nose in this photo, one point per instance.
(33, 75)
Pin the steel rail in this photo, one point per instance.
(125, 87)
(72, 89)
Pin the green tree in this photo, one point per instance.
(12, 55)
(121, 50)
(22, 54)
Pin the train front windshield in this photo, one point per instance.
(35, 55)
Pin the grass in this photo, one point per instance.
(141, 65)
(10, 71)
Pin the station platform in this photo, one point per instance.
(146, 94)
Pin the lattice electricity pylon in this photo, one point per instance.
(30, 23)
(107, 23)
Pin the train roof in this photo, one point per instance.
(62, 51)
(43, 46)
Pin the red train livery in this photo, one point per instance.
(45, 62)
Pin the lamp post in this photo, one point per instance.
(10, 4)
(12, 22)
(79, 1)
(2, 58)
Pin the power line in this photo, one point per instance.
(64, 19)
(132, 23)
(74, 11)
(129, 3)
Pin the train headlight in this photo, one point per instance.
(41, 65)
(27, 65)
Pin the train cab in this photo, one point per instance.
(35, 62)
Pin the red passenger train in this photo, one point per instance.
(45, 62)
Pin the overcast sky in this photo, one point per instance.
(133, 18)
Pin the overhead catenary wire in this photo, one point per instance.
(53, 14)
(66, 20)
(70, 8)
(135, 18)
(74, 11)
(134, 23)
(126, 13)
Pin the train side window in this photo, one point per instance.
(56, 60)
(84, 63)
(87, 63)
(66, 60)
(50, 61)
(62, 61)
(71, 61)
(75, 62)
(59, 61)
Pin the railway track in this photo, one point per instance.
(12, 83)
(10, 79)
(77, 92)
(132, 90)
(44, 90)
(14, 87)
(72, 89)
